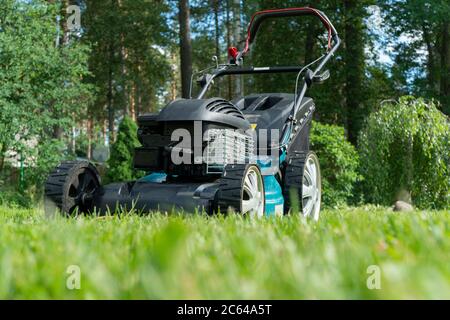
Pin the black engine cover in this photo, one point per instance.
(214, 110)
(155, 131)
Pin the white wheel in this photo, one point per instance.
(252, 201)
(242, 190)
(302, 185)
(311, 187)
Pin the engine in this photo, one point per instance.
(195, 138)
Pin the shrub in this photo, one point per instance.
(15, 199)
(38, 162)
(45, 158)
(120, 162)
(338, 163)
(404, 149)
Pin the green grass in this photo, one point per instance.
(196, 257)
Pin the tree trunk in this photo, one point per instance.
(228, 24)
(89, 135)
(237, 40)
(104, 131)
(139, 91)
(126, 92)
(132, 110)
(185, 48)
(66, 31)
(431, 76)
(110, 100)
(175, 75)
(216, 8)
(139, 102)
(58, 130)
(73, 141)
(445, 68)
(354, 66)
(3, 149)
(123, 68)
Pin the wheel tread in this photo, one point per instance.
(56, 184)
(293, 178)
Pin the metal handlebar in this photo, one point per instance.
(260, 16)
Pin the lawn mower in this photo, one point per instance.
(250, 155)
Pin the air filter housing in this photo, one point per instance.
(227, 146)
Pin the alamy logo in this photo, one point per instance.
(73, 281)
(374, 280)
(224, 146)
(74, 18)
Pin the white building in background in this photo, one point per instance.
(13, 157)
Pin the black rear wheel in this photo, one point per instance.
(71, 188)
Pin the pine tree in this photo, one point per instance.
(120, 162)
(426, 25)
(354, 65)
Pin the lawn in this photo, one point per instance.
(195, 257)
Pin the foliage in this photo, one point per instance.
(196, 257)
(416, 26)
(14, 199)
(47, 155)
(338, 163)
(120, 162)
(129, 61)
(405, 148)
(41, 85)
(81, 145)
(9, 193)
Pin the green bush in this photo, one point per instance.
(120, 162)
(338, 163)
(38, 162)
(15, 199)
(45, 159)
(405, 150)
(9, 193)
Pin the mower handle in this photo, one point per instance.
(260, 16)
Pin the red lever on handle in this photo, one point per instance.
(233, 52)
